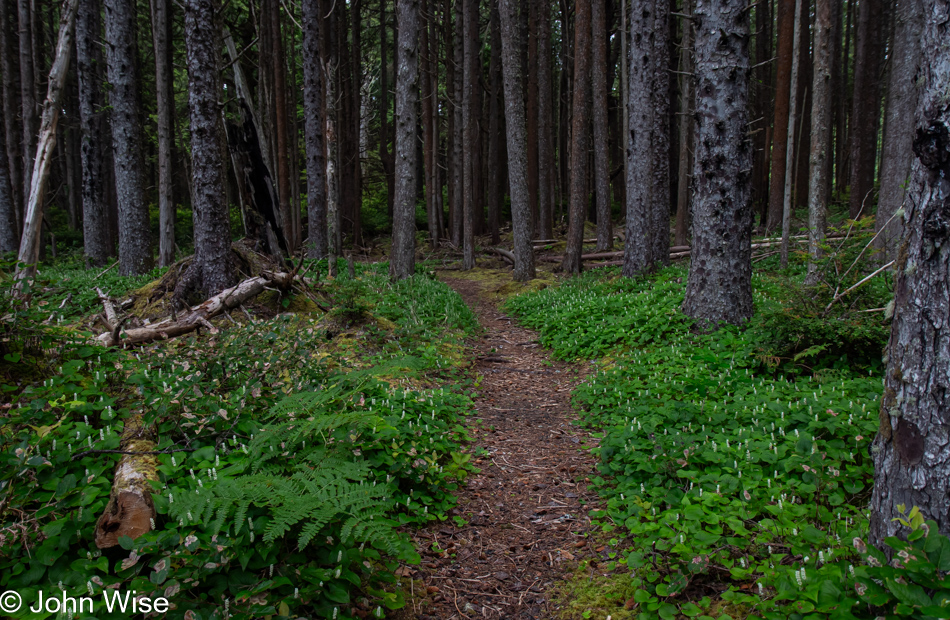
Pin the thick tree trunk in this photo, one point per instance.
(96, 229)
(638, 245)
(866, 110)
(786, 41)
(761, 124)
(165, 104)
(11, 110)
(719, 289)
(402, 263)
(899, 124)
(517, 144)
(135, 248)
(580, 138)
(911, 460)
(315, 128)
(29, 253)
(529, 16)
(819, 186)
(428, 141)
(385, 154)
(469, 128)
(546, 169)
(599, 98)
(211, 270)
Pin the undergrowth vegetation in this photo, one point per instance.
(289, 450)
(736, 464)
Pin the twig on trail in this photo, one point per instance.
(525, 591)
(106, 270)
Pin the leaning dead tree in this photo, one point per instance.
(46, 145)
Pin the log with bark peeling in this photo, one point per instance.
(199, 315)
(130, 511)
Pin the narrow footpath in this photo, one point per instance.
(525, 513)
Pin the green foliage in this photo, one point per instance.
(725, 480)
(263, 435)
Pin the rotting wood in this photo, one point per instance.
(508, 256)
(130, 511)
(199, 315)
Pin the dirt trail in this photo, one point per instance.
(525, 518)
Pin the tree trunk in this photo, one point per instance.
(866, 110)
(783, 75)
(130, 511)
(580, 138)
(458, 193)
(135, 251)
(546, 169)
(719, 288)
(8, 239)
(660, 148)
(96, 228)
(911, 460)
(211, 270)
(29, 253)
(469, 127)
(11, 110)
(638, 243)
(355, 202)
(790, 138)
(315, 127)
(428, 139)
(762, 75)
(530, 15)
(403, 260)
(27, 96)
(165, 104)
(819, 186)
(599, 93)
(496, 190)
(685, 134)
(385, 154)
(517, 144)
(898, 124)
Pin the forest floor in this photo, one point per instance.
(521, 523)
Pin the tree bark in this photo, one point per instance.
(911, 460)
(599, 94)
(458, 131)
(9, 67)
(27, 96)
(403, 260)
(761, 124)
(517, 144)
(681, 233)
(33, 218)
(469, 122)
(898, 124)
(546, 165)
(385, 154)
(786, 41)
(165, 104)
(130, 511)
(96, 229)
(865, 112)
(638, 244)
(496, 190)
(580, 138)
(211, 270)
(315, 128)
(790, 138)
(719, 289)
(135, 251)
(660, 148)
(428, 138)
(819, 186)
(8, 238)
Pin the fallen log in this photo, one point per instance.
(508, 256)
(130, 511)
(199, 315)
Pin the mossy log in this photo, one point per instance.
(130, 511)
(199, 315)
